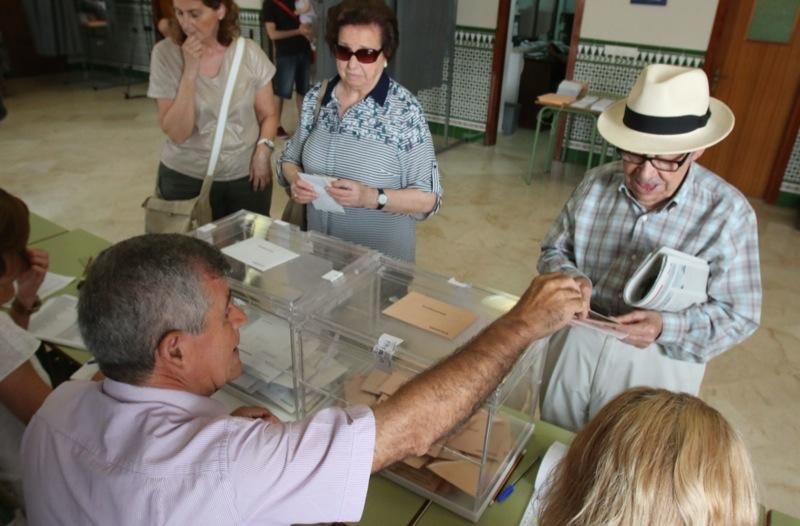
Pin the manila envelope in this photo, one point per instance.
(431, 315)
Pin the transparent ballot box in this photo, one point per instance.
(278, 274)
(392, 324)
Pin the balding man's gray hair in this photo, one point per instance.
(139, 290)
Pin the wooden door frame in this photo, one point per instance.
(572, 58)
(498, 67)
(784, 154)
(714, 55)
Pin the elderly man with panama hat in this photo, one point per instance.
(655, 196)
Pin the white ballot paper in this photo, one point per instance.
(601, 324)
(52, 283)
(259, 253)
(324, 202)
(57, 322)
(669, 281)
(554, 454)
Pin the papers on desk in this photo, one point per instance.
(324, 202)
(585, 102)
(554, 454)
(601, 105)
(57, 322)
(52, 283)
(259, 253)
(572, 88)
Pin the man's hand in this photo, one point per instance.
(642, 326)
(29, 281)
(586, 294)
(352, 194)
(550, 302)
(260, 168)
(256, 412)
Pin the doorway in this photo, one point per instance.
(760, 81)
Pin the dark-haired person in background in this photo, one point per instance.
(292, 52)
(383, 156)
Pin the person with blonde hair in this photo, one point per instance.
(653, 457)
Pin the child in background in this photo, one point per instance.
(304, 10)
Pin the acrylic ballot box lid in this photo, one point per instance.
(448, 313)
(280, 268)
(355, 351)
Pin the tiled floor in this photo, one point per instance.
(87, 160)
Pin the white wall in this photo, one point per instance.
(477, 13)
(684, 24)
(249, 4)
(473, 13)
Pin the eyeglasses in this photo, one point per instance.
(664, 165)
(365, 55)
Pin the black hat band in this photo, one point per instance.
(664, 125)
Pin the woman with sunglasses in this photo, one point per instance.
(369, 135)
(188, 75)
(22, 391)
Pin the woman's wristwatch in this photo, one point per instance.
(382, 199)
(19, 308)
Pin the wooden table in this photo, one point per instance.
(570, 112)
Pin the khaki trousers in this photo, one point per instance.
(584, 370)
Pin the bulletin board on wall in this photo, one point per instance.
(774, 21)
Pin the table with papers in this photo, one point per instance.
(590, 106)
(69, 253)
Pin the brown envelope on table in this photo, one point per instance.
(431, 315)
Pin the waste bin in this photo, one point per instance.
(510, 118)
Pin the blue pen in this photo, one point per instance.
(509, 489)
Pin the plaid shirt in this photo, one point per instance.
(603, 234)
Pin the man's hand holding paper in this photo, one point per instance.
(643, 327)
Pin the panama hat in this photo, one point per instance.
(668, 111)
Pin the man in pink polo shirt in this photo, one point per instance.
(148, 446)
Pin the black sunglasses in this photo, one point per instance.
(365, 55)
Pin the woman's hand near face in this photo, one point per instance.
(352, 194)
(29, 281)
(302, 191)
(192, 50)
